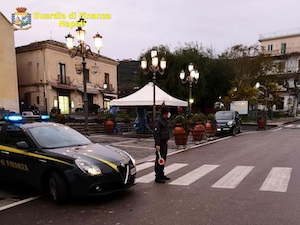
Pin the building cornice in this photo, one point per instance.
(61, 47)
(12, 27)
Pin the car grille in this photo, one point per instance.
(124, 170)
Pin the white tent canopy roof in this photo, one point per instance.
(144, 97)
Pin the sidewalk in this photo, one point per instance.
(282, 121)
(278, 121)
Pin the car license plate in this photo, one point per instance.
(133, 171)
(218, 129)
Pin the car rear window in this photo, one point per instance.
(224, 116)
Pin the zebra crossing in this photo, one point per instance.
(276, 181)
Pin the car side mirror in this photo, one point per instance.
(22, 145)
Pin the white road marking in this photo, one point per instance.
(19, 203)
(289, 125)
(144, 166)
(232, 179)
(194, 175)
(169, 169)
(280, 128)
(277, 180)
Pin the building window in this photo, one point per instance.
(270, 48)
(28, 99)
(106, 81)
(281, 104)
(283, 48)
(62, 73)
(90, 100)
(106, 103)
(63, 102)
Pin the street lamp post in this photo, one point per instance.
(191, 78)
(258, 85)
(83, 50)
(156, 66)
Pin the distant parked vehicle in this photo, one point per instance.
(228, 122)
(29, 114)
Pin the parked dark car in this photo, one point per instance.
(228, 122)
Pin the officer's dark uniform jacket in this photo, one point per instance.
(161, 131)
(161, 137)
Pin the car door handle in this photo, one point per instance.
(5, 152)
(43, 160)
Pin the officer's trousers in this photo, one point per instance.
(159, 169)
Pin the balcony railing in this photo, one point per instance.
(285, 70)
(64, 81)
(281, 52)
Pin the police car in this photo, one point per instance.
(55, 158)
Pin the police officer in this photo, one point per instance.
(161, 137)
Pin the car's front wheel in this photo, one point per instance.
(57, 188)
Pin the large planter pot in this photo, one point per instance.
(109, 126)
(261, 123)
(198, 131)
(180, 134)
(210, 129)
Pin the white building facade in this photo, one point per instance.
(284, 49)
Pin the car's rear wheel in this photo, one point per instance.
(58, 190)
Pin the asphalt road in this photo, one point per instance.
(252, 178)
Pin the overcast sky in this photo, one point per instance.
(137, 25)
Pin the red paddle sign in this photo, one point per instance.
(161, 161)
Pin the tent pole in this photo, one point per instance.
(154, 106)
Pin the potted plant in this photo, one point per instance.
(261, 122)
(198, 130)
(180, 132)
(211, 125)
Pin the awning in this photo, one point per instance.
(63, 86)
(94, 91)
(110, 95)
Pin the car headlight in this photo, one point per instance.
(230, 123)
(88, 168)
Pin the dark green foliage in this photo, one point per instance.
(237, 68)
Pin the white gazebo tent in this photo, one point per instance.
(144, 97)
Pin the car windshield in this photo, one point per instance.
(57, 136)
(224, 116)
